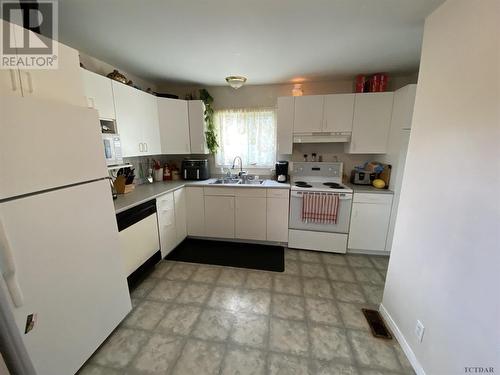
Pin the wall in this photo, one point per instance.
(250, 96)
(445, 263)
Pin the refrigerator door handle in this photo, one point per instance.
(8, 269)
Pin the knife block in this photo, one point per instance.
(120, 186)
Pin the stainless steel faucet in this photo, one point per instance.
(241, 165)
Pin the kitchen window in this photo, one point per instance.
(248, 133)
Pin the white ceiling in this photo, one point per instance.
(268, 41)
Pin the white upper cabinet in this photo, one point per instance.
(128, 119)
(63, 84)
(150, 124)
(285, 113)
(99, 93)
(174, 126)
(338, 113)
(308, 116)
(137, 121)
(404, 100)
(196, 112)
(372, 119)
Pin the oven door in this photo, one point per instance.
(343, 216)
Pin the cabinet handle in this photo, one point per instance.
(146, 145)
(91, 102)
(30, 82)
(13, 79)
(140, 147)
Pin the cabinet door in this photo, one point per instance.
(150, 125)
(369, 225)
(402, 113)
(99, 93)
(277, 219)
(308, 115)
(250, 218)
(339, 113)
(219, 216)
(196, 112)
(64, 84)
(372, 118)
(285, 113)
(195, 211)
(128, 119)
(166, 223)
(174, 126)
(180, 215)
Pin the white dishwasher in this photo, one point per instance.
(138, 232)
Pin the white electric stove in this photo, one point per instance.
(325, 178)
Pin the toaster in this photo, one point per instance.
(362, 177)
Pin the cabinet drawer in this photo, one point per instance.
(372, 198)
(250, 192)
(278, 193)
(228, 192)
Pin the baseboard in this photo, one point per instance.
(368, 252)
(402, 341)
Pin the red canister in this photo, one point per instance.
(360, 83)
(383, 82)
(378, 82)
(375, 83)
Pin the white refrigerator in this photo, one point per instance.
(60, 259)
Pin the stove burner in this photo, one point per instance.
(301, 183)
(333, 185)
(305, 186)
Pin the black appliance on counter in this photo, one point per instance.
(195, 169)
(282, 171)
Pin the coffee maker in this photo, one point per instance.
(282, 171)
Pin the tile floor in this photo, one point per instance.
(191, 319)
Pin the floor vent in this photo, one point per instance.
(377, 324)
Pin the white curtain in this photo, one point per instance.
(248, 133)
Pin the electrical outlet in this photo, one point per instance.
(419, 330)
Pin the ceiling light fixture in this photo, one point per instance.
(236, 81)
(297, 90)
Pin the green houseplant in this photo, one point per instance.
(210, 134)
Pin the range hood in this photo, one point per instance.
(335, 137)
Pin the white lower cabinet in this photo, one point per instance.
(171, 208)
(250, 216)
(219, 216)
(369, 222)
(195, 211)
(238, 213)
(166, 223)
(278, 201)
(180, 215)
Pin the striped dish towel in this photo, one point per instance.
(321, 208)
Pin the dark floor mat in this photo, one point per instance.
(232, 254)
(377, 324)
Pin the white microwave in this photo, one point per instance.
(112, 149)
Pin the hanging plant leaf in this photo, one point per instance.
(210, 133)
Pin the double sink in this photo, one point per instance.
(236, 181)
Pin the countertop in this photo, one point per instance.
(368, 189)
(145, 192)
